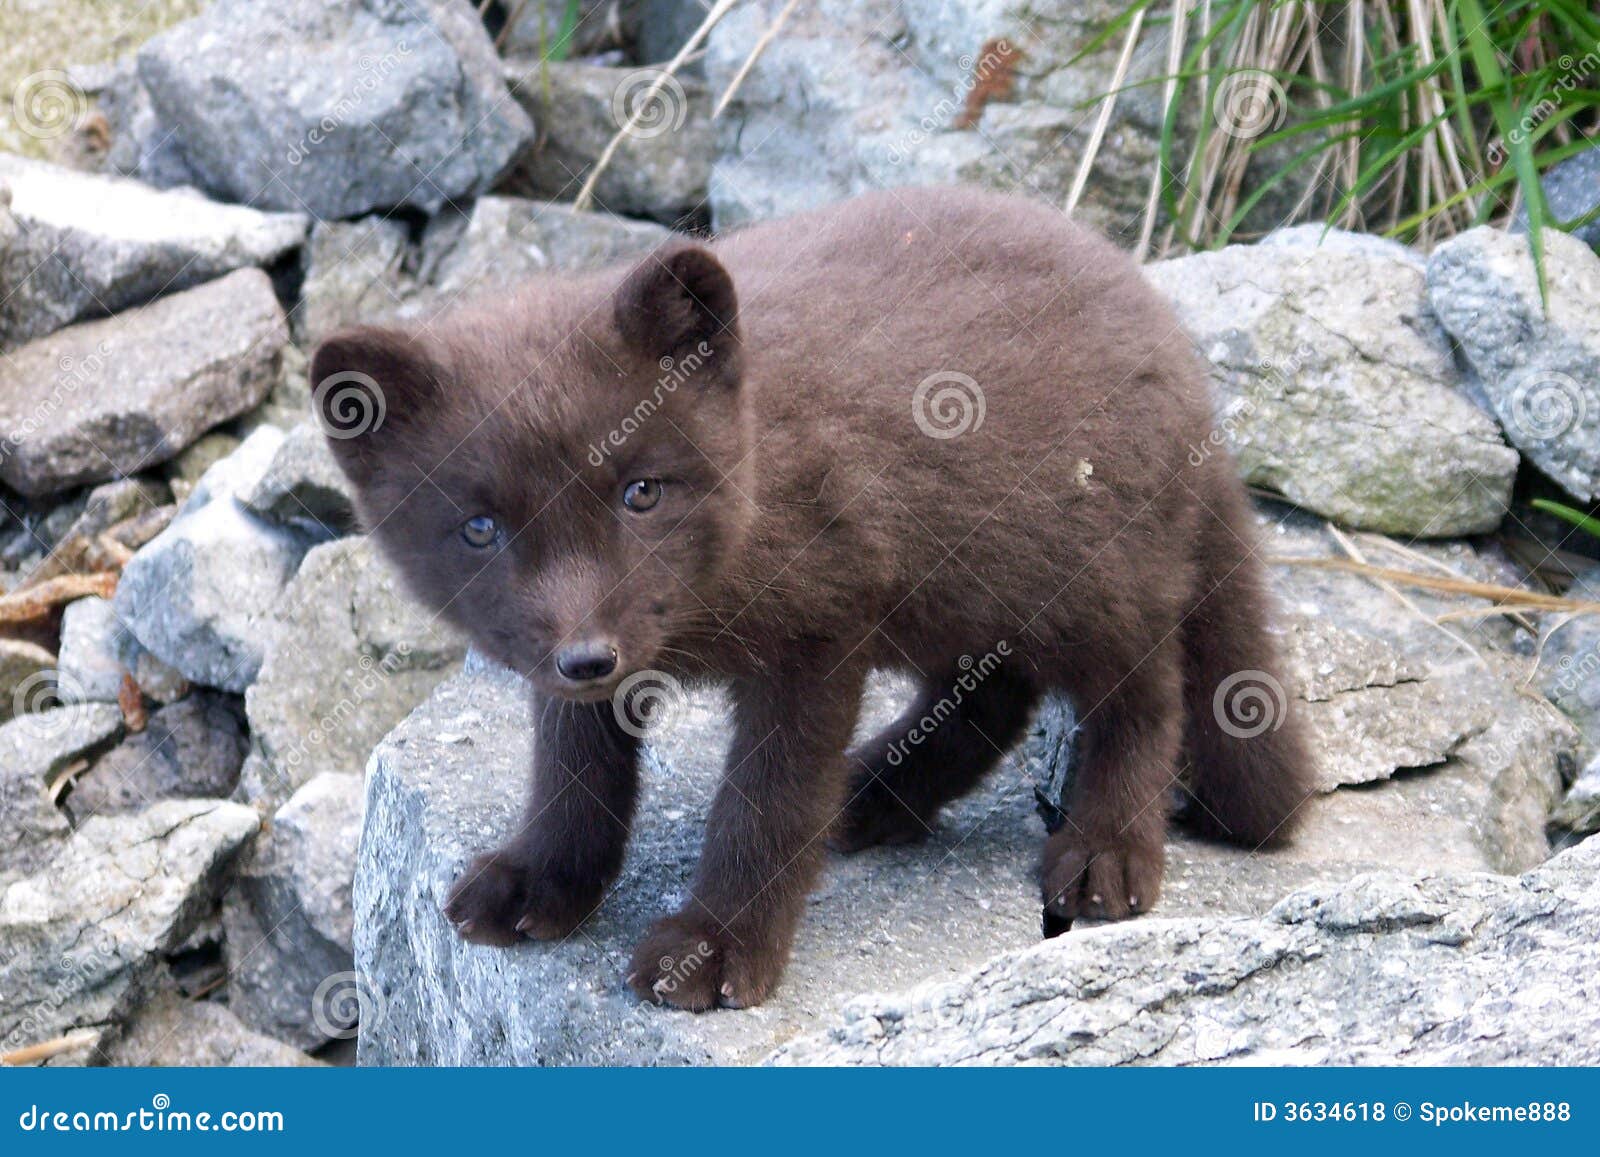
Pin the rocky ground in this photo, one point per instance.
(239, 768)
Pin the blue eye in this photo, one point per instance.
(642, 494)
(480, 532)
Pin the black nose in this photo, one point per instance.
(589, 659)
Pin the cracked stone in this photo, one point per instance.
(82, 938)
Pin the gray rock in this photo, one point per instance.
(348, 655)
(187, 468)
(304, 487)
(1571, 192)
(35, 748)
(1580, 810)
(851, 97)
(98, 649)
(663, 166)
(446, 783)
(92, 645)
(191, 749)
(196, 595)
(171, 1031)
(1337, 387)
(1569, 662)
(82, 939)
(1538, 367)
(1440, 969)
(24, 671)
(289, 919)
(108, 398)
(364, 272)
(401, 105)
(92, 245)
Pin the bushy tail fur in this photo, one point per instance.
(1250, 769)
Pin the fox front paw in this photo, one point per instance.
(1108, 879)
(689, 963)
(501, 899)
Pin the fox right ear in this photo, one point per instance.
(362, 378)
(677, 296)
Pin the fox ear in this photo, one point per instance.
(678, 296)
(364, 381)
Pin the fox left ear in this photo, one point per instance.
(678, 296)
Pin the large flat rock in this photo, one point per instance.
(92, 244)
(329, 108)
(109, 398)
(449, 781)
(1437, 969)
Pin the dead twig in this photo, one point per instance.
(767, 38)
(586, 194)
(1504, 596)
(1107, 103)
(39, 601)
(44, 1050)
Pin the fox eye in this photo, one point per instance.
(480, 531)
(641, 494)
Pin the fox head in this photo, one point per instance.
(561, 475)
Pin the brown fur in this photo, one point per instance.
(809, 529)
